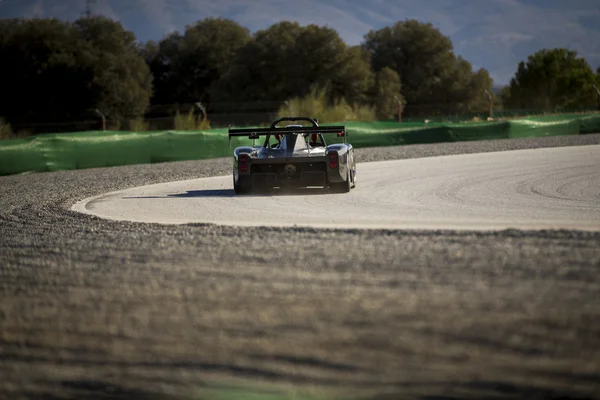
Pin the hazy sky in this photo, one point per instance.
(493, 34)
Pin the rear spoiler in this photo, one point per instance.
(255, 133)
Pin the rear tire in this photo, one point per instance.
(239, 188)
(353, 172)
(343, 187)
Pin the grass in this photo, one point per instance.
(138, 125)
(133, 125)
(191, 122)
(6, 132)
(265, 392)
(316, 104)
(241, 394)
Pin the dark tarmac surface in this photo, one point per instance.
(99, 309)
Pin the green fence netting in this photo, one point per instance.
(80, 150)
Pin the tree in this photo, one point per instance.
(60, 71)
(597, 88)
(45, 75)
(122, 83)
(185, 67)
(160, 58)
(269, 68)
(434, 79)
(287, 61)
(353, 79)
(387, 94)
(475, 99)
(504, 96)
(552, 79)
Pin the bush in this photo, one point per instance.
(5, 130)
(387, 93)
(317, 105)
(365, 114)
(138, 125)
(191, 122)
(114, 125)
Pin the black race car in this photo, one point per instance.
(293, 156)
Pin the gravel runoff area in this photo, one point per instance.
(91, 308)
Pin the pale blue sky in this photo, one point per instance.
(494, 34)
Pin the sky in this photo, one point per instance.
(491, 34)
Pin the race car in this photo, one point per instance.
(293, 156)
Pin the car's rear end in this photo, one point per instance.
(294, 171)
(293, 162)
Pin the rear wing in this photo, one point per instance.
(256, 133)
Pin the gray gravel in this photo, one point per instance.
(103, 309)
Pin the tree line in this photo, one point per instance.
(55, 70)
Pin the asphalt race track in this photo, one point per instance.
(556, 188)
(108, 309)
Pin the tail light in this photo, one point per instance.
(333, 160)
(243, 160)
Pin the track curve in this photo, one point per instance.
(97, 308)
(551, 188)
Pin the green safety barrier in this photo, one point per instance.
(53, 152)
